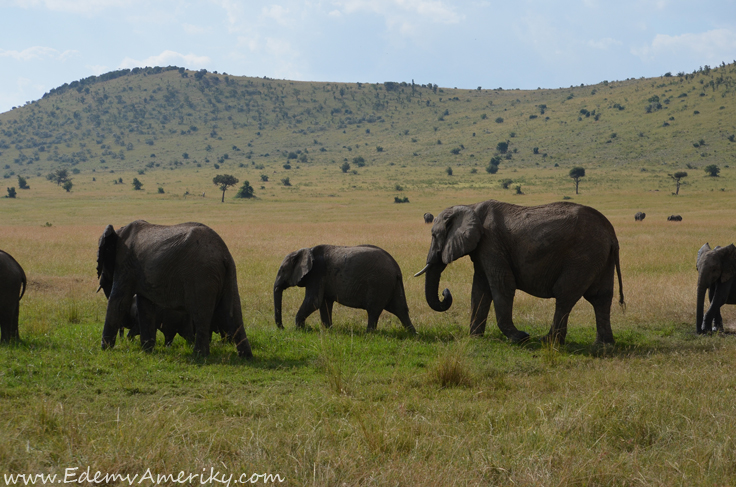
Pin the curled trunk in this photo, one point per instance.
(277, 295)
(432, 286)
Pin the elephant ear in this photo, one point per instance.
(705, 248)
(106, 251)
(302, 266)
(728, 261)
(462, 234)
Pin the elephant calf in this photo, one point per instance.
(12, 289)
(428, 217)
(640, 216)
(364, 277)
(169, 321)
(674, 218)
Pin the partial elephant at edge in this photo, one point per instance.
(12, 288)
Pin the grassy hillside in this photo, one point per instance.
(154, 119)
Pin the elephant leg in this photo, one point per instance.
(146, 322)
(325, 312)
(401, 311)
(373, 316)
(558, 330)
(8, 324)
(717, 318)
(311, 303)
(480, 302)
(602, 307)
(504, 305)
(720, 296)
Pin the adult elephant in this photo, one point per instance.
(364, 277)
(12, 289)
(716, 273)
(185, 267)
(560, 250)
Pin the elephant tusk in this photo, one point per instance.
(422, 271)
(98, 289)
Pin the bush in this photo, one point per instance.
(359, 161)
(345, 167)
(11, 193)
(379, 149)
(137, 185)
(449, 171)
(455, 151)
(712, 170)
(287, 166)
(491, 168)
(160, 190)
(502, 147)
(245, 191)
(505, 183)
(398, 199)
(499, 120)
(22, 183)
(264, 178)
(286, 182)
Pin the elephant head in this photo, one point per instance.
(292, 272)
(455, 233)
(714, 266)
(107, 247)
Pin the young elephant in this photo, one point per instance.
(364, 277)
(169, 321)
(716, 273)
(12, 288)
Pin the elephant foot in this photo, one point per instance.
(519, 337)
(148, 346)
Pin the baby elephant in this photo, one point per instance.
(428, 217)
(640, 216)
(674, 218)
(169, 321)
(12, 288)
(364, 277)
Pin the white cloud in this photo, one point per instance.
(277, 13)
(604, 43)
(167, 58)
(38, 52)
(712, 46)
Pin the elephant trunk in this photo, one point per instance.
(702, 287)
(277, 295)
(432, 286)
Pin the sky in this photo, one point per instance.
(506, 44)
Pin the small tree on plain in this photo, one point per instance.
(449, 171)
(576, 173)
(67, 185)
(60, 176)
(677, 177)
(712, 170)
(11, 193)
(22, 183)
(137, 185)
(345, 167)
(224, 181)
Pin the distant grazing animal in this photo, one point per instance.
(560, 250)
(674, 218)
(428, 217)
(12, 288)
(639, 216)
(364, 277)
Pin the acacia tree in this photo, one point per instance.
(245, 191)
(60, 176)
(712, 170)
(224, 181)
(677, 177)
(576, 173)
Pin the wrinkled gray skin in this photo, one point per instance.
(716, 273)
(186, 268)
(561, 250)
(428, 218)
(364, 277)
(639, 216)
(12, 289)
(169, 321)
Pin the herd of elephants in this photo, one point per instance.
(182, 278)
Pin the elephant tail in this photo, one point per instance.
(621, 301)
(22, 291)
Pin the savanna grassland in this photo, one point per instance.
(340, 406)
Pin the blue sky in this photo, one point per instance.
(510, 44)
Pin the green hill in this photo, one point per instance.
(171, 118)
